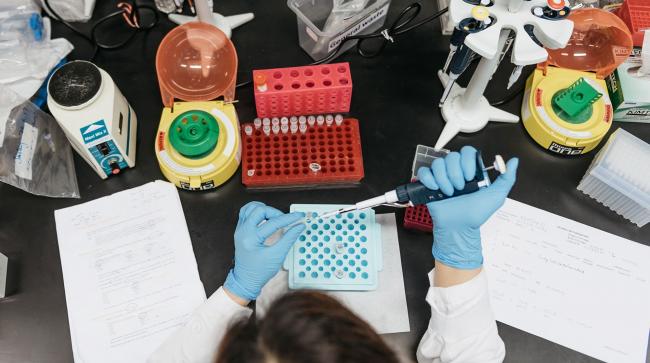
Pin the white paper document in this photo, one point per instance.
(385, 308)
(129, 271)
(569, 283)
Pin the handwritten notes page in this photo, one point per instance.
(129, 271)
(569, 283)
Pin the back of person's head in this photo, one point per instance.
(304, 326)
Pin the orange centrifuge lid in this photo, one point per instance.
(196, 62)
(600, 43)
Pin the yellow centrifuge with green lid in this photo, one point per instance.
(197, 144)
(566, 107)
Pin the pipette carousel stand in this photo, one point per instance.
(204, 14)
(536, 23)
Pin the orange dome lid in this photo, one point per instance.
(196, 62)
(600, 43)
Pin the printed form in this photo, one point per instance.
(129, 271)
(569, 283)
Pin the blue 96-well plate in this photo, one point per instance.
(342, 252)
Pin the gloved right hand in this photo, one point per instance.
(457, 220)
(255, 262)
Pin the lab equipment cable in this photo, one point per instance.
(400, 26)
(129, 10)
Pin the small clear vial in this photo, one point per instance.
(284, 121)
(338, 120)
(339, 248)
(275, 121)
(293, 128)
(275, 129)
(302, 120)
(329, 120)
(293, 119)
(284, 129)
(320, 120)
(257, 122)
(266, 129)
(311, 120)
(303, 128)
(248, 129)
(266, 121)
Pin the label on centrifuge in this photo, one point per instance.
(204, 186)
(565, 150)
(363, 24)
(184, 170)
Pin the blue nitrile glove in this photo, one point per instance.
(457, 220)
(255, 262)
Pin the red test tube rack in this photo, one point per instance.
(308, 90)
(418, 218)
(308, 151)
(636, 14)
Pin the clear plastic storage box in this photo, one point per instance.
(424, 156)
(619, 177)
(323, 24)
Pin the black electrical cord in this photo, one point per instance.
(130, 11)
(509, 97)
(400, 26)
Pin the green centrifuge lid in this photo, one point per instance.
(574, 104)
(194, 133)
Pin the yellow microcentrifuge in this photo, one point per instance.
(566, 107)
(197, 144)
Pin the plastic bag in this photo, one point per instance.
(70, 10)
(35, 155)
(23, 6)
(18, 62)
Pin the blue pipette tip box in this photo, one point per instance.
(341, 252)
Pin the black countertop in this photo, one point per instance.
(395, 98)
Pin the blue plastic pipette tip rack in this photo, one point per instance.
(342, 252)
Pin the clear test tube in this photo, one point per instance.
(303, 128)
(293, 128)
(284, 128)
(266, 129)
(302, 120)
(248, 129)
(266, 121)
(320, 120)
(275, 121)
(311, 120)
(338, 120)
(329, 120)
(293, 119)
(257, 122)
(284, 121)
(275, 129)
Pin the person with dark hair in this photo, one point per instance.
(307, 326)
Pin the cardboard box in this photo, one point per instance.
(629, 92)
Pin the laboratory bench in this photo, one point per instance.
(395, 97)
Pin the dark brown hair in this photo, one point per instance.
(304, 326)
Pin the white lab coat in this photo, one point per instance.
(461, 329)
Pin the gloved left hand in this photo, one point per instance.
(255, 262)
